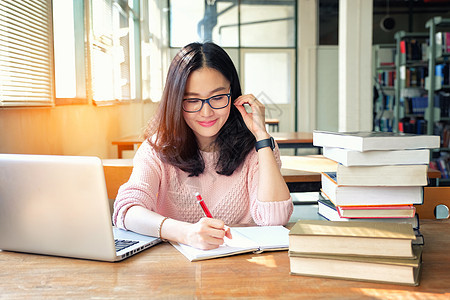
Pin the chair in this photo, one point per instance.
(117, 172)
(436, 201)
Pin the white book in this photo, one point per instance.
(244, 240)
(350, 158)
(371, 140)
(397, 175)
(369, 195)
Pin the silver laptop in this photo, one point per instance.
(58, 205)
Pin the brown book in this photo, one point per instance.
(362, 268)
(352, 238)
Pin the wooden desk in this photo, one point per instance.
(273, 124)
(127, 143)
(295, 172)
(302, 173)
(295, 140)
(162, 272)
(284, 140)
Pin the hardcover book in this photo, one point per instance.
(244, 240)
(376, 269)
(350, 158)
(419, 237)
(371, 140)
(352, 238)
(398, 175)
(377, 211)
(327, 210)
(369, 195)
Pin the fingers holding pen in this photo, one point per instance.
(208, 233)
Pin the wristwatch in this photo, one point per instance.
(265, 143)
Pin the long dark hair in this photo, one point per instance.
(173, 139)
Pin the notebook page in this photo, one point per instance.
(244, 239)
(238, 244)
(267, 237)
(240, 240)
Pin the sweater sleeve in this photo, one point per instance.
(266, 213)
(142, 187)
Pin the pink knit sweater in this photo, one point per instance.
(168, 191)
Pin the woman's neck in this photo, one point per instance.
(208, 147)
(206, 144)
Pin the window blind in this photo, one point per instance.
(26, 60)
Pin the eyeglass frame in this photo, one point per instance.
(207, 101)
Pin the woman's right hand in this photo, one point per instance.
(207, 234)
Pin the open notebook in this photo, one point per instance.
(245, 240)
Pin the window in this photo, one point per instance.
(79, 51)
(26, 59)
(204, 21)
(64, 47)
(154, 46)
(233, 23)
(114, 63)
(69, 50)
(268, 25)
(259, 36)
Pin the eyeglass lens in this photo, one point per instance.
(216, 102)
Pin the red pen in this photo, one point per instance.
(203, 205)
(208, 213)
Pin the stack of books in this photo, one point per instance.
(380, 175)
(366, 251)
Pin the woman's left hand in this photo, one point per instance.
(255, 120)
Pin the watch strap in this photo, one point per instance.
(265, 143)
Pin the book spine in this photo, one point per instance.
(371, 215)
(447, 42)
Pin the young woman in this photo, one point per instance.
(203, 140)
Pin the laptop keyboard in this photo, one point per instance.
(122, 244)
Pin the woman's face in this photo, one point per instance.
(206, 123)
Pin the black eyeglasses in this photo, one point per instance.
(192, 105)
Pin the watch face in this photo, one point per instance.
(272, 143)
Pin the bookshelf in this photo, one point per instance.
(438, 90)
(384, 73)
(437, 56)
(411, 69)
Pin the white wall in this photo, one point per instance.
(328, 94)
(355, 61)
(327, 88)
(306, 70)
